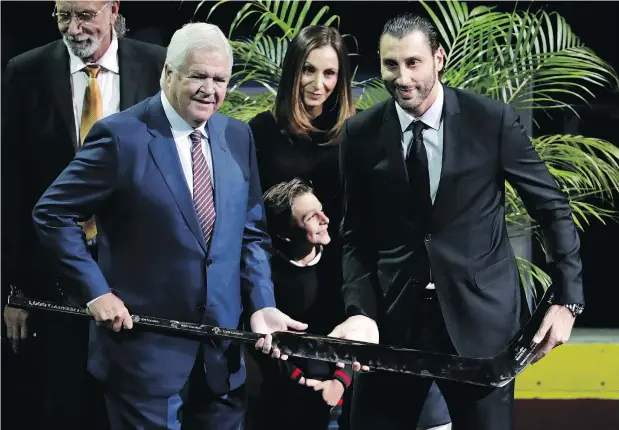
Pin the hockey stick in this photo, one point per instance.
(495, 371)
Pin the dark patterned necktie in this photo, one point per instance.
(202, 188)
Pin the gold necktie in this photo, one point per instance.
(92, 111)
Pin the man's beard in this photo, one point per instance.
(421, 93)
(82, 51)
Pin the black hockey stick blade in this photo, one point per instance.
(494, 371)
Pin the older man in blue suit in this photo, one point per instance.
(176, 194)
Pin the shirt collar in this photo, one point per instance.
(313, 262)
(180, 127)
(108, 61)
(431, 117)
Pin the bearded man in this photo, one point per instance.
(427, 261)
(51, 97)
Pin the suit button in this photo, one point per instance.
(209, 262)
(202, 306)
(428, 237)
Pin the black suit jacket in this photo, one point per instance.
(385, 246)
(39, 141)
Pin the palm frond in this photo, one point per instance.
(581, 165)
(373, 92)
(244, 107)
(283, 15)
(585, 168)
(259, 60)
(532, 277)
(531, 60)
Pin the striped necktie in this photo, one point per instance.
(202, 187)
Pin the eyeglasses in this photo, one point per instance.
(64, 18)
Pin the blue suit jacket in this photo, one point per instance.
(151, 251)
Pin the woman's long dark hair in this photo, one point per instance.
(289, 109)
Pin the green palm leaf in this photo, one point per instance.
(530, 60)
(285, 15)
(585, 168)
(244, 106)
(373, 92)
(531, 276)
(260, 60)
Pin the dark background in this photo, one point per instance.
(29, 24)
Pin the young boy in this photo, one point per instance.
(299, 393)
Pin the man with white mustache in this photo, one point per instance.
(49, 104)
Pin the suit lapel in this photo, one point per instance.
(60, 82)
(163, 150)
(451, 133)
(221, 159)
(129, 67)
(391, 139)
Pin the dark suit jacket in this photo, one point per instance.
(152, 253)
(39, 141)
(385, 246)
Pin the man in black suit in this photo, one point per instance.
(426, 256)
(51, 95)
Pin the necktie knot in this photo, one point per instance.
(417, 127)
(196, 137)
(92, 70)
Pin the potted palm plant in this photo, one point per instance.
(531, 60)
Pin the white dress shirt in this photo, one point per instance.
(108, 80)
(432, 140)
(181, 131)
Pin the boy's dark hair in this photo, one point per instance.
(278, 202)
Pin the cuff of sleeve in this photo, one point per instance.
(352, 311)
(343, 377)
(261, 298)
(94, 300)
(296, 374)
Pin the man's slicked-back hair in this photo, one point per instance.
(278, 201)
(403, 24)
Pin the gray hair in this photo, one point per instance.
(197, 35)
(120, 26)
